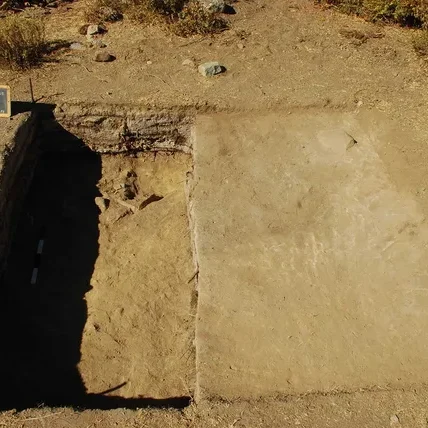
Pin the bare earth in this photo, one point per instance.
(312, 273)
(308, 204)
(140, 325)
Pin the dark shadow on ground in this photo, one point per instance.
(21, 107)
(41, 324)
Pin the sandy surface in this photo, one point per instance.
(140, 329)
(293, 55)
(377, 409)
(113, 305)
(312, 273)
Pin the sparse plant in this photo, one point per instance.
(155, 11)
(186, 17)
(142, 12)
(412, 13)
(99, 11)
(420, 43)
(168, 7)
(197, 19)
(22, 41)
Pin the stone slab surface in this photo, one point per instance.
(312, 263)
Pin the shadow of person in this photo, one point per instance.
(42, 322)
(43, 316)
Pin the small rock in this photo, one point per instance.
(149, 62)
(211, 68)
(104, 57)
(351, 142)
(240, 46)
(95, 29)
(97, 43)
(77, 47)
(394, 421)
(188, 63)
(102, 203)
(216, 6)
(83, 30)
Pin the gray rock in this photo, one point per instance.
(211, 68)
(95, 29)
(216, 6)
(104, 57)
(97, 43)
(77, 47)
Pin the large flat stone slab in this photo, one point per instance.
(312, 264)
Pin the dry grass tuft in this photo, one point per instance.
(196, 19)
(183, 17)
(99, 11)
(420, 43)
(22, 41)
(412, 13)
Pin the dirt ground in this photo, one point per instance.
(278, 54)
(113, 306)
(375, 409)
(314, 249)
(284, 58)
(140, 325)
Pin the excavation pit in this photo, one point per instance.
(98, 294)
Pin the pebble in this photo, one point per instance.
(211, 68)
(240, 46)
(188, 63)
(77, 47)
(394, 421)
(102, 203)
(104, 57)
(95, 29)
(97, 43)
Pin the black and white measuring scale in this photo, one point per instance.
(5, 107)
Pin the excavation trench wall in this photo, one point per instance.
(50, 178)
(16, 171)
(75, 127)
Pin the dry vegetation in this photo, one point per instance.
(196, 19)
(410, 13)
(99, 11)
(183, 17)
(420, 43)
(22, 41)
